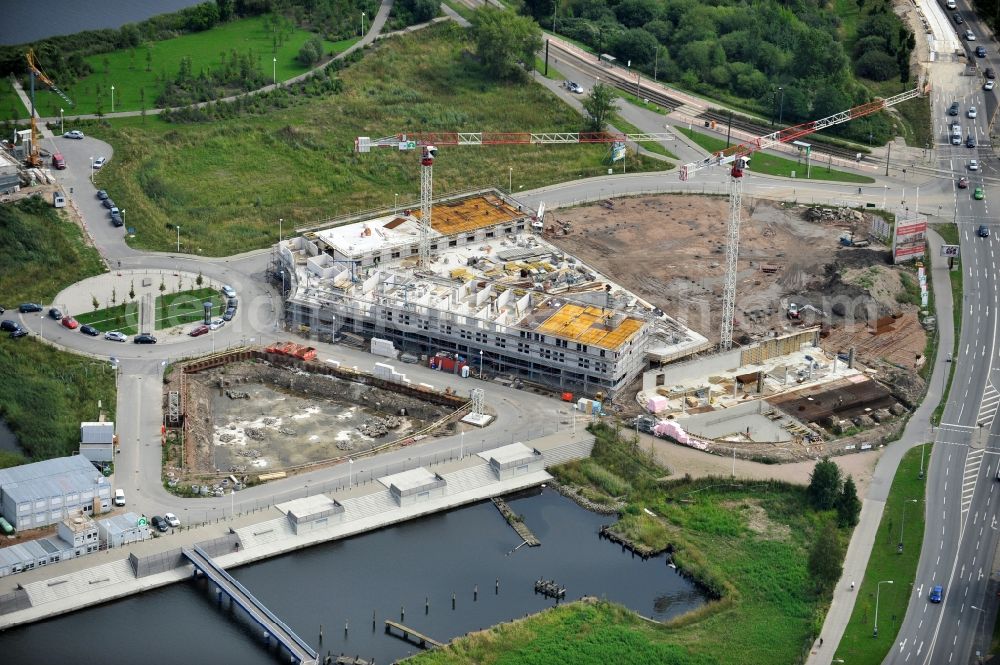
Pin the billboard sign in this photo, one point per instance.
(908, 239)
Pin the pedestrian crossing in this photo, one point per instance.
(988, 407)
(973, 462)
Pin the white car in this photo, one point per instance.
(574, 87)
(216, 324)
(969, 36)
(228, 291)
(73, 134)
(973, 164)
(99, 162)
(972, 112)
(172, 520)
(989, 85)
(115, 336)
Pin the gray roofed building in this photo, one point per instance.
(97, 441)
(120, 530)
(47, 492)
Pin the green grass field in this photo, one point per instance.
(653, 146)
(772, 165)
(857, 645)
(137, 88)
(226, 183)
(42, 253)
(748, 542)
(171, 309)
(46, 393)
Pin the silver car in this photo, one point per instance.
(115, 336)
(216, 324)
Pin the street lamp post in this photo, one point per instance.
(91, 170)
(921, 462)
(480, 364)
(112, 99)
(350, 472)
(878, 588)
(274, 70)
(178, 237)
(395, 204)
(281, 220)
(461, 450)
(362, 24)
(510, 179)
(122, 211)
(781, 104)
(62, 128)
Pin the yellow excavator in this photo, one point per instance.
(34, 156)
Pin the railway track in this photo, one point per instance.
(722, 119)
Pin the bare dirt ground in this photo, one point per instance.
(682, 460)
(670, 250)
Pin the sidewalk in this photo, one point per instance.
(915, 433)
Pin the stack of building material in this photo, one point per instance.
(388, 373)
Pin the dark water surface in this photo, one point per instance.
(381, 571)
(25, 21)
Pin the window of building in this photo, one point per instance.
(520, 227)
(583, 363)
(508, 230)
(523, 348)
(414, 250)
(395, 255)
(602, 353)
(501, 342)
(470, 238)
(434, 246)
(490, 234)
(453, 243)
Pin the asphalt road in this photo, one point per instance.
(961, 533)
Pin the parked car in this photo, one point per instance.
(89, 330)
(159, 523)
(952, 110)
(115, 336)
(70, 322)
(119, 497)
(979, 195)
(969, 37)
(229, 314)
(28, 307)
(980, 51)
(115, 211)
(108, 203)
(216, 324)
(200, 330)
(55, 313)
(970, 141)
(117, 220)
(99, 162)
(574, 87)
(958, 18)
(102, 195)
(73, 134)
(172, 520)
(20, 332)
(232, 302)
(963, 183)
(228, 291)
(144, 338)
(9, 326)
(971, 112)
(989, 85)
(936, 593)
(973, 164)
(990, 74)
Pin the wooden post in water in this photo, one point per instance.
(498, 587)
(373, 621)
(475, 593)
(427, 605)
(402, 614)
(321, 633)
(453, 600)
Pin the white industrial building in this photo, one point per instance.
(42, 493)
(493, 293)
(97, 441)
(121, 530)
(77, 536)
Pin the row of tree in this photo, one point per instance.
(829, 491)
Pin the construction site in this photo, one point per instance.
(260, 414)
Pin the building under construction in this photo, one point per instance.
(492, 292)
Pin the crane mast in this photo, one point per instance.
(35, 72)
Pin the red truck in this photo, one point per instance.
(58, 161)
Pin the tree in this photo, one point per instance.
(199, 280)
(311, 52)
(826, 558)
(114, 296)
(94, 302)
(422, 10)
(599, 105)
(877, 66)
(848, 504)
(634, 13)
(131, 290)
(636, 45)
(503, 40)
(824, 485)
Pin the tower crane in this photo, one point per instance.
(428, 142)
(33, 157)
(739, 157)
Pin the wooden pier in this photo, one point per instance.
(411, 635)
(512, 519)
(550, 589)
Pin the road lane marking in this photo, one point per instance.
(988, 406)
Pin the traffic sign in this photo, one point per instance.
(949, 250)
(141, 522)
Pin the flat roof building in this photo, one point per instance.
(119, 530)
(493, 293)
(97, 441)
(47, 492)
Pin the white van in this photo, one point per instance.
(119, 497)
(950, 4)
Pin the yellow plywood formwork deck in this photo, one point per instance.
(587, 325)
(470, 214)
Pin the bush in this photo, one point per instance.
(311, 52)
(877, 66)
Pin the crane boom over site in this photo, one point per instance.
(36, 73)
(739, 157)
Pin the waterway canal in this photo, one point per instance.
(345, 581)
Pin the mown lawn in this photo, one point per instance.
(762, 162)
(179, 308)
(42, 253)
(747, 542)
(226, 183)
(886, 563)
(136, 88)
(123, 318)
